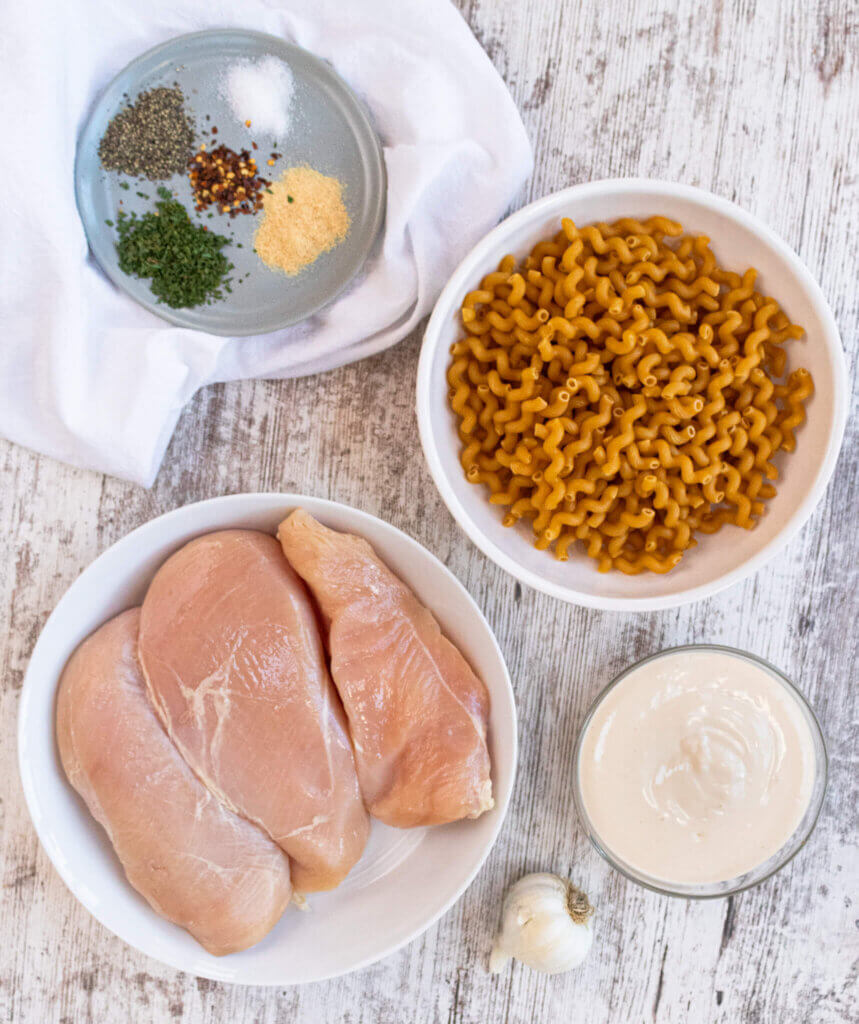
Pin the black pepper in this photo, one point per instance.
(151, 138)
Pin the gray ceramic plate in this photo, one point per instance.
(330, 131)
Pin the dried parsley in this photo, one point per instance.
(152, 138)
(183, 259)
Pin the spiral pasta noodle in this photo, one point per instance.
(621, 390)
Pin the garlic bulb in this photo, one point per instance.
(545, 923)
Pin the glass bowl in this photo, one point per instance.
(768, 867)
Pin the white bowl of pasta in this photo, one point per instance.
(622, 394)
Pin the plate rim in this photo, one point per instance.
(329, 73)
(496, 238)
(254, 501)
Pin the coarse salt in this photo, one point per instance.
(261, 92)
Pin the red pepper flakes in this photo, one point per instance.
(227, 180)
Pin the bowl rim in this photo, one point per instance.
(807, 827)
(248, 503)
(493, 243)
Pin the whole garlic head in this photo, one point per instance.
(546, 922)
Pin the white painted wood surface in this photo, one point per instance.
(756, 101)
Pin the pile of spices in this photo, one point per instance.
(261, 92)
(303, 217)
(227, 180)
(183, 259)
(152, 138)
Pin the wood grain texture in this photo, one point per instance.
(755, 101)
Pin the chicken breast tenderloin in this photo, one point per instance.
(417, 713)
(233, 659)
(194, 861)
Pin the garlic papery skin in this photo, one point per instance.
(546, 922)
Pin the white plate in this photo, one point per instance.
(739, 240)
(406, 879)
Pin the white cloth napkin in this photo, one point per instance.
(89, 377)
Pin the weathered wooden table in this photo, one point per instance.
(757, 102)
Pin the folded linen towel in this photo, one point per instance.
(88, 376)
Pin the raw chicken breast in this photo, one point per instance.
(417, 712)
(194, 861)
(231, 651)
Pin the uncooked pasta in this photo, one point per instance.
(620, 389)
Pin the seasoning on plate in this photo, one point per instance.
(260, 92)
(303, 217)
(226, 179)
(184, 260)
(150, 138)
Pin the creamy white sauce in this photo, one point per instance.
(697, 767)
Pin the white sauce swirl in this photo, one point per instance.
(697, 767)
